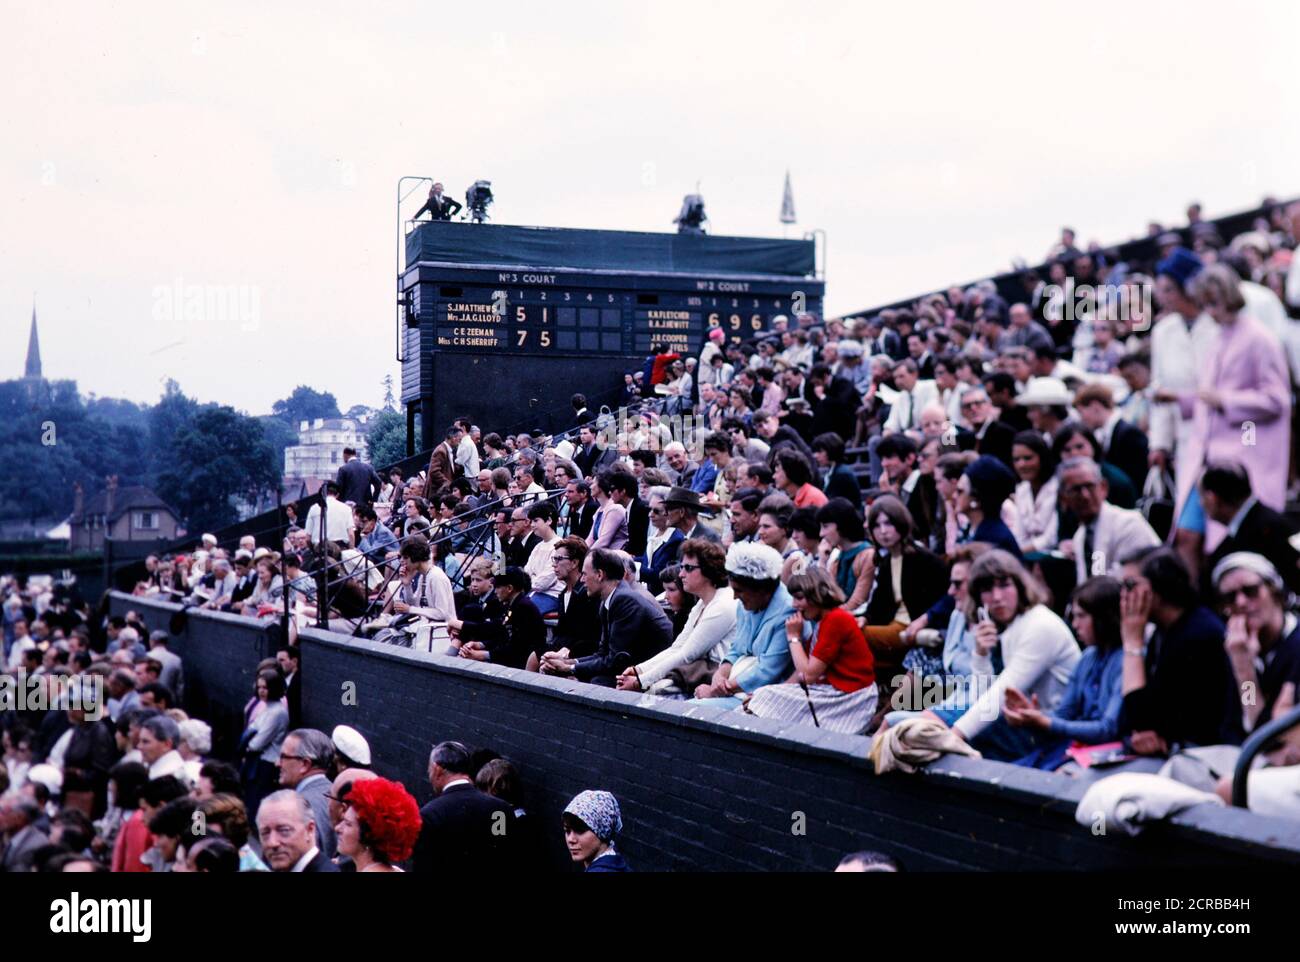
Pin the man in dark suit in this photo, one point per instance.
(579, 510)
(589, 457)
(577, 631)
(287, 658)
(837, 408)
(991, 436)
(286, 826)
(464, 831)
(442, 463)
(357, 480)
(1123, 445)
(622, 489)
(632, 625)
(522, 541)
(883, 340)
(1254, 527)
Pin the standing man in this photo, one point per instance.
(464, 831)
(357, 480)
(443, 468)
(466, 451)
(305, 757)
(289, 834)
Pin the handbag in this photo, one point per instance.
(1157, 501)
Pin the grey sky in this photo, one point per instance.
(255, 147)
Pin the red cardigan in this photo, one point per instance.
(842, 646)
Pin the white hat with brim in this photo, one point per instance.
(1046, 391)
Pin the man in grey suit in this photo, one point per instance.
(632, 625)
(305, 758)
(173, 674)
(18, 816)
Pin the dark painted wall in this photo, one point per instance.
(706, 790)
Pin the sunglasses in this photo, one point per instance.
(1251, 592)
(687, 566)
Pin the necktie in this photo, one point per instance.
(1089, 545)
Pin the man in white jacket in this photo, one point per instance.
(1105, 533)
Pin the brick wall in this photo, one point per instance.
(703, 790)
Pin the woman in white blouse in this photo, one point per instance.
(703, 642)
(1031, 512)
(546, 587)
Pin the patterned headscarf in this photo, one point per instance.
(598, 811)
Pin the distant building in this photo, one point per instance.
(319, 452)
(132, 513)
(33, 380)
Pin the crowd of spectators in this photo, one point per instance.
(1060, 533)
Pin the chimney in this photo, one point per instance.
(78, 499)
(110, 495)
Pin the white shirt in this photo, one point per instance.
(22, 644)
(303, 862)
(338, 521)
(539, 568)
(905, 409)
(467, 455)
(169, 764)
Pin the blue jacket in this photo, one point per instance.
(705, 476)
(762, 634)
(1089, 710)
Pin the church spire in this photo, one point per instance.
(33, 350)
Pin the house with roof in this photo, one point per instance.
(132, 513)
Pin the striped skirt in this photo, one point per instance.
(836, 711)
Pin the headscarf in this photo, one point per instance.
(598, 811)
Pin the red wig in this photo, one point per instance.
(389, 816)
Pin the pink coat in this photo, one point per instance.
(1248, 368)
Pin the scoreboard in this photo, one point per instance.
(508, 343)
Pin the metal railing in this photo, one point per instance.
(1255, 744)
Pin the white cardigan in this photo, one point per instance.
(708, 629)
(1038, 657)
(1033, 519)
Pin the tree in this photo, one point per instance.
(220, 455)
(305, 404)
(386, 438)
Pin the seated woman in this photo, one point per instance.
(792, 475)
(1023, 643)
(269, 589)
(833, 685)
(838, 479)
(948, 522)
(1089, 711)
(591, 820)
(1075, 441)
(841, 528)
(981, 491)
(662, 543)
(546, 587)
(703, 641)
(906, 580)
(1031, 514)
(380, 824)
